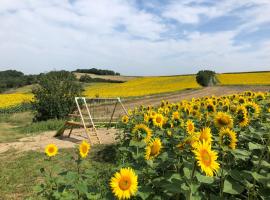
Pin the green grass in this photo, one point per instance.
(19, 125)
(20, 172)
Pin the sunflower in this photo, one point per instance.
(241, 115)
(153, 148)
(260, 96)
(51, 150)
(84, 149)
(152, 114)
(141, 131)
(158, 120)
(223, 119)
(210, 107)
(205, 135)
(146, 118)
(206, 158)
(227, 137)
(175, 116)
(125, 119)
(252, 108)
(190, 128)
(242, 100)
(124, 184)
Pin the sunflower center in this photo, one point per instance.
(51, 150)
(158, 119)
(124, 183)
(190, 127)
(223, 121)
(154, 149)
(84, 149)
(206, 158)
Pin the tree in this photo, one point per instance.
(206, 78)
(54, 95)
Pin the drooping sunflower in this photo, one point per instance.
(206, 158)
(205, 135)
(125, 119)
(223, 119)
(227, 137)
(242, 117)
(190, 127)
(158, 120)
(84, 149)
(141, 131)
(51, 150)
(124, 184)
(153, 149)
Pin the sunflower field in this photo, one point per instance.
(10, 103)
(206, 148)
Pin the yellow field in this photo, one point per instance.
(142, 86)
(11, 100)
(261, 78)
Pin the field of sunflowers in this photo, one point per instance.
(14, 102)
(206, 148)
(155, 85)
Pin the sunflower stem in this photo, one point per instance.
(221, 176)
(193, 171)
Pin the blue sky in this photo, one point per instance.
(135, 37)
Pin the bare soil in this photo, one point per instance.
(108, 136)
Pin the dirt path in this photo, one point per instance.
(39, 142)
(108, 136)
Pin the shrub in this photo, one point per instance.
(206, 78)
(54, 97)
(88, 79)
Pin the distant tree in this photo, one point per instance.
(98, 71)
(54, 96)
(206, 78)
(88, 79)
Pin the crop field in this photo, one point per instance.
(14, 101)
(155, 85)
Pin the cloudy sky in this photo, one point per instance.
(135, 37)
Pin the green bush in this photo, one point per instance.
(54, 96)
(206, 78)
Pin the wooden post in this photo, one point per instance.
(112, 115)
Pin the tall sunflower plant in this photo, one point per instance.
(205, 148)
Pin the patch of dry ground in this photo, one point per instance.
(108, 136)
(39, 142)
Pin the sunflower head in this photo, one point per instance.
(124, 184)
(223, 119)
(190, 128)
(153, 149)
(241, 115)
(252, 108)
(84, 149)
(141, 131)
(51, 150)
(175, 116)
(125, 119)
(260, 96)
(210, 107)
(205, 135)
(206, 158)
(227, 137)
(158, 120)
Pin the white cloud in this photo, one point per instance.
(39, 35)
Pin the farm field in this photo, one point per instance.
(30, 162)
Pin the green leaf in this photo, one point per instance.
(144, 192)
(186, 172)
(204, 179)
(81, 187)
(232, 187)
(253, 146)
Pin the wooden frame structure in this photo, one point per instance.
(87, 117)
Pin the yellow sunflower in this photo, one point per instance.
(242, 117)
(51, 150)
(146, 117)
(210, 107)
(175, 116)
(252, 108)
(125, 119)
(153, 148)
(190, 128)
(84, 149)
(206, 158)
(158, 120)
(227, 137)
(223, 119)
(205, 135)
(141, 131)
(124, 184)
